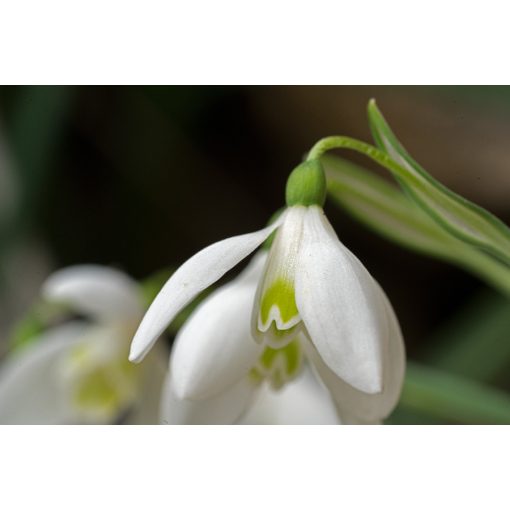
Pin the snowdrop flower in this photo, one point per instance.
(309, 299)
(78, 372)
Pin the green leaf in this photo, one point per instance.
(475, 343)
(451, 398)
(462, 218)
(391, 213)
(403, 416)
(26, 332)
(42, 316)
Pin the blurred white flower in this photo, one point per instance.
(78, 372)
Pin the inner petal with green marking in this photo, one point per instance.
(106, 391)
(276, 317)
(100, 383)
(279, 366)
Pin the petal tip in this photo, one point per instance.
(134, 358)
(136, 354)
(372, 387)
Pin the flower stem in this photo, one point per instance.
(492, 268)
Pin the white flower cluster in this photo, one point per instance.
(303, 335)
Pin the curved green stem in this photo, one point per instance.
(334, 142)
(420, 186)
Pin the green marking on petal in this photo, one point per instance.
(279, 365)
(280, 294)
(281, 335)
(256, 376)
(106, 389)
(97, 390)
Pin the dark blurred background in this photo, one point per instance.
(143, 177)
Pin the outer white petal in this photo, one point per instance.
(195, 275)
(29, 388)
(215, 349)
(356, 406)
(102, 292)
(340, 305)
(303, 401)
(223, 409)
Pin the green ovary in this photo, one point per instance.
(279, 294)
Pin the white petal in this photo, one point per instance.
(214, 349)
(223, 409)
(195, 275)
(102, 292)
(29, 388)
(359, 407)
(303, 401)
(340, 305)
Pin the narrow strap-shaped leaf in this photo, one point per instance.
(458, 215)
(391, 213)
(452, 398)
(475, 343)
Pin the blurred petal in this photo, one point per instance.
(359, 407)
(340, 305)
(146, 411)
(195, 275)
(215, 349)
(102, 292)
(223, 409)
(304, 401)
(96, 378)
(29, 387)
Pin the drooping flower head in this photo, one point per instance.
(309, 299)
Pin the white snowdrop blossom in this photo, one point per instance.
(310, 303)
(78, 372)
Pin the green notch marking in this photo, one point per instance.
(280, 294)
(278, 366)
